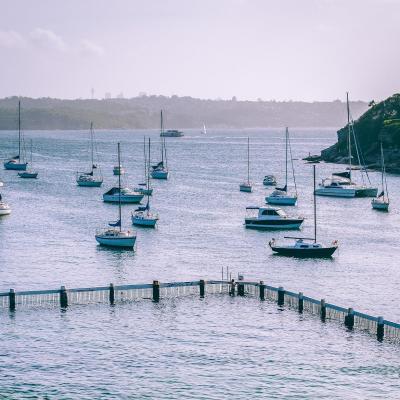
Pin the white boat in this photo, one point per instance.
(335, 188)
(381, 202)
(142, 216)
(17, 163)
(125, 195)
(115, 236)
(269, 180)
(118, 170)
(272, 218)
(1, 183)
(29, 173)
(246, 186)
(160, 170)
(301, 248)
(91, 178)
(281, 196)
(5, 209)
(204, 131)
(144, 187)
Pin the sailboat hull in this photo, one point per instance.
(380, 205)
(320, 252)
(366, 192)
(247, 188)
(281, 200)
(28, 175)
(334, 192)
(144, 191)
(15, 166)
(89, 183)
(114, 198)
(159, 174)
(128, 242)
(144, 222)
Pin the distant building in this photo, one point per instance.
(107, 96)
(120, 96)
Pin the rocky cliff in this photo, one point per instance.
(380, 123)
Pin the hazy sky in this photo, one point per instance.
(269, 49)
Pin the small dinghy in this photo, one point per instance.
(301, 248)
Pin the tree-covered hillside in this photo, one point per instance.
(179, 112)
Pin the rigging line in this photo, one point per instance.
(357, 152)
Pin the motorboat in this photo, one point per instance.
(247, 186)
(125, 195)
(114, 236)
(271, 218)
(269, 180)
(118, 170)
(17, 163)
(171, 133)
(93, 178)
(5, 209)
(305, 247)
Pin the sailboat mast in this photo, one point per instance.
(162, 139)
(91, 144)
(248, 159)
(349, 131)
(119, 190)
(19, 131)
(315, 208)
(148, 181)
(286, 157)
(31, 153)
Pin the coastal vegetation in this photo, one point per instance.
(381, 122)
(143, 112)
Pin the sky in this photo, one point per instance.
(311, 50)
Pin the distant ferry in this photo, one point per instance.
(171, 133)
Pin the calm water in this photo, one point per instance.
(198, 350)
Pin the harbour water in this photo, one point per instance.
(191, 348)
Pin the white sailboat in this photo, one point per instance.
(144, 187)
(204, 131)
(301, 248)
(142, 216)
(246, 186)
(381, 202)
(29, 173)
(115, 236)
(281, 196)
(90, 179)
(5, 209)
(122, 194)
(17, 163)
(160, 170)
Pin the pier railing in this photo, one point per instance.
(157, 291)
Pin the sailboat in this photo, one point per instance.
(115, 236)
(17, 162)
(5, 209)
(381, 202)
(144, 187)
(280, 196)
(246, 186)
(29, 174)
(142, 215)
(88, 178)
(301, 248)
(204, 131)
(160, 170)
